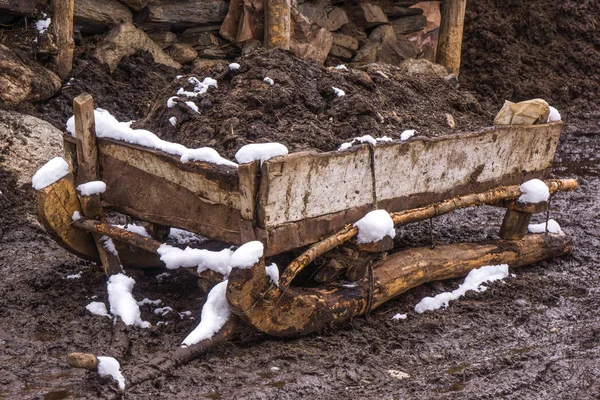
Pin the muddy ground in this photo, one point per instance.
(535, 336)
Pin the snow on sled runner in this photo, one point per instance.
(306, 200)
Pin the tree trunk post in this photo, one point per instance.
(277, 24)
(451, 34)
(514, 225)
(62, 26)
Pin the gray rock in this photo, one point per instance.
(22, 80)
(183, 13)
(324, 15)
(163, 38)
(125, 40)
(135, 5)
(27, 143)
(93, 16)
(182, 53)
(383, 45)
(369, 15)
(310, 41)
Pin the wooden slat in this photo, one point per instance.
(154, 199)
(305, 185)
(212, 183)
(424, 171)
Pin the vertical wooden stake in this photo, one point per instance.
(451, 34)
(87, 170)
(62, 27)
(514, 225)
(277, 24)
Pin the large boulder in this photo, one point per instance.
(93, 16)
(20, 7)
(24, 80)
(135, 5)
(125, 40)
(26, 143)
(309, 40)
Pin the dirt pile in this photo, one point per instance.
(519, 50)
(127, 93)
(301, 109)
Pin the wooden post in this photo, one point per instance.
(277, 24)
(514, 224)
(451, 34)
(62, 27)
(87, 170)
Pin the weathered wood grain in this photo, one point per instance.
(305, 185)
(423, 171)
(217, 184)
(451, 33)
(152, 198)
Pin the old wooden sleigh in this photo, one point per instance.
(309, 201)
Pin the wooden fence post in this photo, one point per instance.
(451, 34)
(62, 27)
(277, 24)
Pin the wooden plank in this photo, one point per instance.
(154, 199)
(424, 171)
(514, 224)
(216, 184)
(62, 27)
(451, 34)
(305, 185)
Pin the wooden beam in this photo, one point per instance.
(451, 34)
(62, 26)
(514, 224)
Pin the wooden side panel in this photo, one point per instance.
(217, 184)
(307, 185)
(420, 172)
(155, 199)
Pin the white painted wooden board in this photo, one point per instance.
(306, 185)
(439, 165)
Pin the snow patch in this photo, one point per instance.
(133, 228)
(162, 311)
(364, 139)
(341, 67)
(260, 151)
(108, 127)
(399, 316)
(407, 134)
(553, 227)
(234, 66)
(374, 226)
(108, 366)
(192, 106)
(218, 261)
(473, 281)
(98, 308)
(269, 81)
(273, 273)
(43, 24)
(75, 276)
(215, 314)
(148, 301)
(247, 255)
(122, 303)
(533, 191)
(554, 115)
(50, 172)
(91, 188)
(171, 102)
(76, 216)
(109, 245)
(338, 92)
(173, 121)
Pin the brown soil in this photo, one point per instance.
(536, 336)
(301, 109)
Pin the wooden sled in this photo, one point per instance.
(309, 201)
